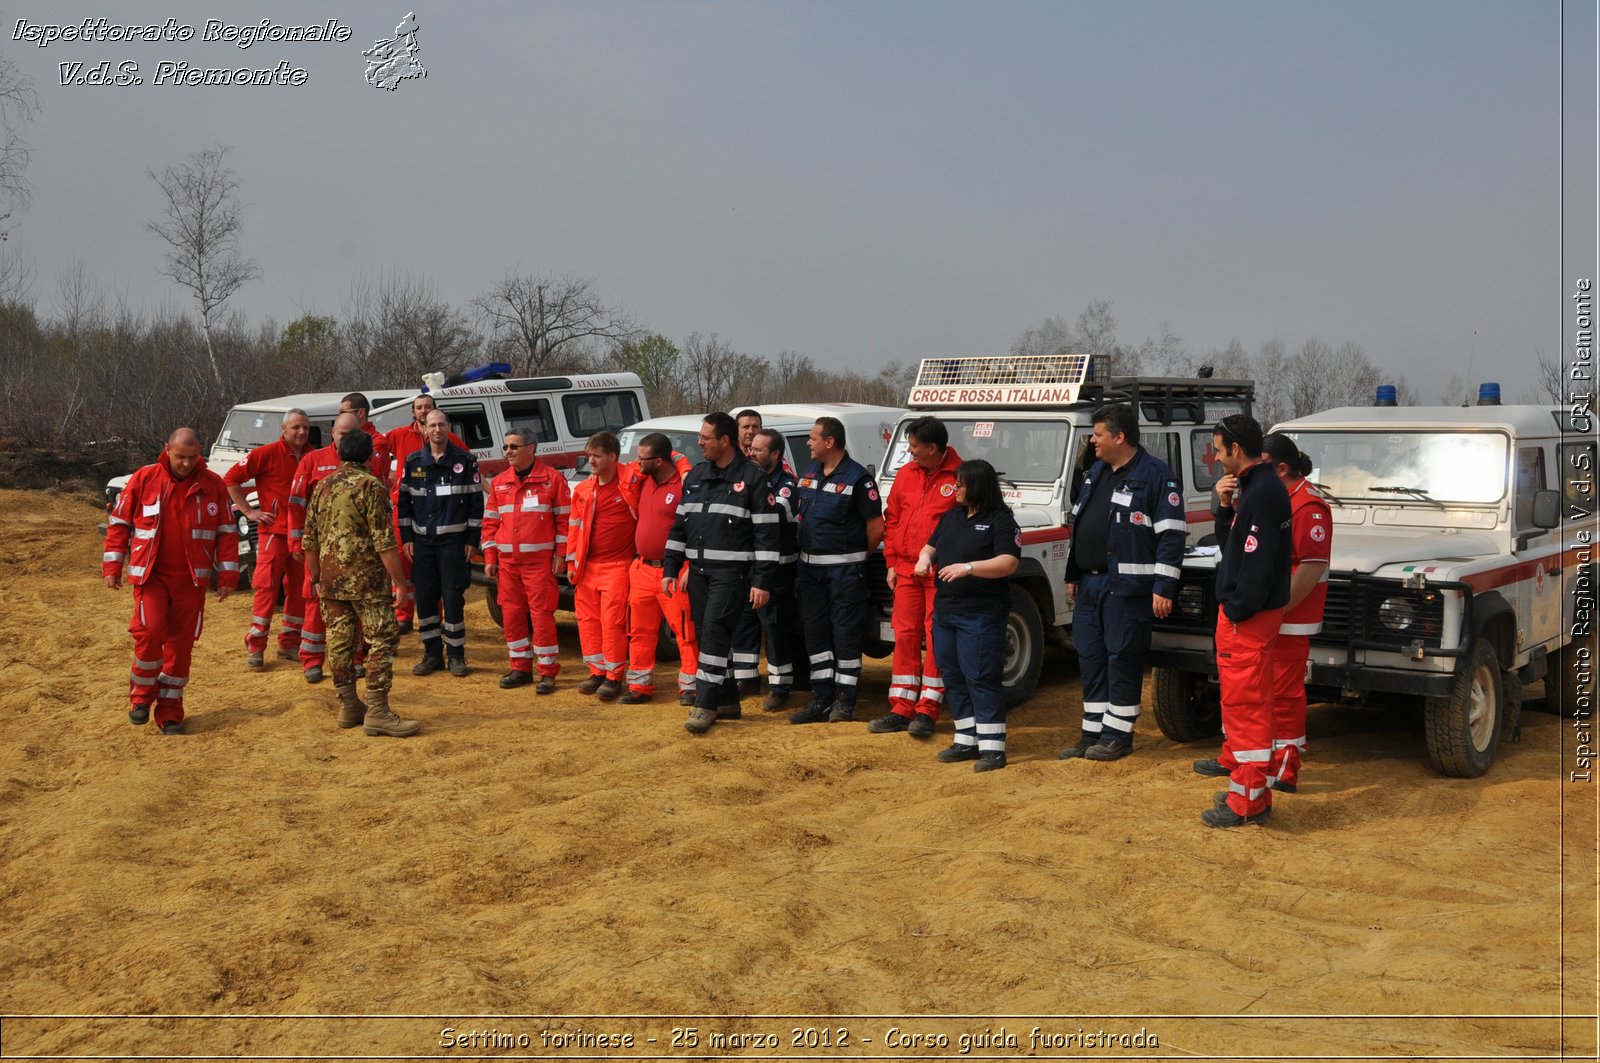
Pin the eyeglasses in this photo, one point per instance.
(643, 459)
(708, 439)
(1228, 438)
(515, 446)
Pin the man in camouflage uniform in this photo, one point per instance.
(352, 558)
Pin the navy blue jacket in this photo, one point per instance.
(780, 486)
(722, 523)
(832, 512)
(1144, 544)
(1256, 539)
(441, 499)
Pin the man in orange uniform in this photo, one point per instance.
(524, 546)
(272, 467)
(315, 467)
(660, 491)
(924, 488)
(400, 443)
(605, 512)
(357, 404)
(173, 529)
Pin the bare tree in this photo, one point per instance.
(1053, 336)
(1165, 355)
(200, 223)
(1097, 330)
(546, 324)
(18, 104)
(711, 369)
(1551, 385)
(1271, 371)
(399, 327)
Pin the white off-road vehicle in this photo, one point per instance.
(1462, 542)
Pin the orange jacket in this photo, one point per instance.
(629, 478)
(525, 519)
(916, 503)
(272, 466)
(196, 508)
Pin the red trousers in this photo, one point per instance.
(167, 617)
(1244, 664)
(405, 605)
(1289, 657)
(647, 605)
(528, 597)
(914, 684)
(601, 602)
(276, 569)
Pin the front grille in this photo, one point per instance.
(1352, 613)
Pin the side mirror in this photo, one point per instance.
(1546, 509)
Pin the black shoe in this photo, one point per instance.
(139, 715)
(1073, 752)
(775, 701)
(841, 713)
(633, 697)
(1211, 768)
(953, 754)
(814, 712)
(1284, 787)
(686, 698)
(608, 690)
(314, 674)
(515, 678)
(590, 685)
(1220, 798)
(1223, 816)
(547, 685)
(254, 660)
(427, 666)
(403, 626)
(730, 711)
(458, 667)
(921, 726)
(889, 723)
(989, 761)
(172, 727)
(1109, 749)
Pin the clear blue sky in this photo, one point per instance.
(877, 179)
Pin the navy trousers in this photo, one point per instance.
(1112, 634)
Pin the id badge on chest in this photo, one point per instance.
(1121, 498)
(529, 503)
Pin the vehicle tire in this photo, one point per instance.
(1024, 648)
(491, 595)
(1463, 728)
(1188, 708)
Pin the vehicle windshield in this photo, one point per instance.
(248, 429)
(684, 442)
(1408, 468)
(1021, 451)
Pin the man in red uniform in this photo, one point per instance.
(356, 403)
(400, 443)
(660, 491)
(315, 467)
(524, 546)
(1253, 542)
(599, 551)
(272, 466)
(1311, 552)
(924, 488)
(174, 515)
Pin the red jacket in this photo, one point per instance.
(525, 519)
(312, 470)
(1312, 531)
(629, 478)
(196, 508)
(916, 503)
(272, 466)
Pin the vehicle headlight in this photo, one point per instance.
(244, 525)
(1191, 600)
(1397, 614)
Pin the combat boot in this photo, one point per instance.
(381, 720)
(351, 708)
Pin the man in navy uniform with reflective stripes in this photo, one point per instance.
(441, 522)
(840, 522)
(1128, 534)
(776, 619)
(724, 532)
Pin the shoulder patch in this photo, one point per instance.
(1318, 533)
(1173, 499)
(1250, 544)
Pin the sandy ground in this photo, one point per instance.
(524, 867)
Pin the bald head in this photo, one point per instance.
(345, 422)
(183, 452)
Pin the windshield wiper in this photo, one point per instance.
(1009, 483)
(1414, 492)
(1322, 489)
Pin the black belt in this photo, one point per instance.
(652, 564)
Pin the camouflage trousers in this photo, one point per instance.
(346, 621)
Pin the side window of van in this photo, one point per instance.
(1204, 466)
(1168, 446)
(599, 411)
(470, 423)
(532, 418)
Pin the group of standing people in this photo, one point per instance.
(729, 552)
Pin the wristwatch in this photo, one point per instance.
(969, 568)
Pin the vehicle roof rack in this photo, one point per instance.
(1175, 399)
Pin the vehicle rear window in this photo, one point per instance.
(600, 411)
